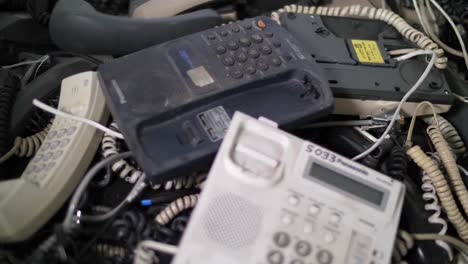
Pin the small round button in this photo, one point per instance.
(45, 146)
(211, 37)
(50, 166)
(261, 24)
(61, 132)
(287, 219)
(250, 69)
(308, 228)
(232, 45)
(236, 73)
(277, 44)
(281, 239)
(38, 157)
(265, 49)
(261, 65)
(64, 142)
(31, 169)
(220, 50)
(223, 33)
(71, 130)
(296, 261)
(293, 200)
(40, 167)
(52, 133)
(275, 61)
(329, 237)
(54, 144)
(256, 38)
(235, 29)
(335, 218)
(48, 156)
(229, 61)
(314, 209)
(269, 34)
(303, 248)
(57, 154)
(275, 257)
(248, 26)
(253, 53)
(245, 42)
(324, 257)
(241, 57)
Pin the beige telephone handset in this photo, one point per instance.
(28, 202)
(162, 8)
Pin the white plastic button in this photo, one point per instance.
(329, 237)
(293, 200)
(287, 219)
(314, 209)
(308, 228)
(335, 218)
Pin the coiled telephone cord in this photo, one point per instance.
(450, 164)
(430, 167)
(175, 208)
(27, 147)
(432, 204)
(131, 174)
(450, 134)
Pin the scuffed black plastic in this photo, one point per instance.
(76, 26)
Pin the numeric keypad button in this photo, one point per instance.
(281, 239)
(236, 73)
(324, 257)
(232, 45)
(256, 38)
(229, 61)
(235, 29)
(253, 53)
(241, 57)
(275, 61)
(303, 248)
(250, 69)
(245, 42)
(265, 50)
(261, 65)
(275, 257)
(220, 50)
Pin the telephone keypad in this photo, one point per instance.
(51, 151)
(250, 51)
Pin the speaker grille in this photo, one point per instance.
(232, 221)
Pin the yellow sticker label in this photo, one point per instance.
(367, 51)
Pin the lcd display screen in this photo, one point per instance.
(346, 184)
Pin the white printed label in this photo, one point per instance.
(215, 122)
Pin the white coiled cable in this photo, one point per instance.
(432, 204)
(449, 132)
(442, 188)
(27, 147)
(175, 208)
(131, 174)
(448, 160)
(181, 183)
(124, 169)
(385, 15)
(403, 244)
